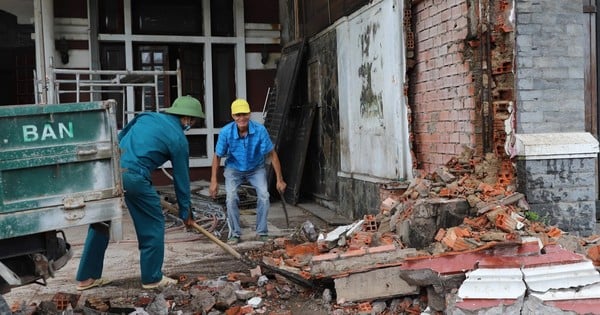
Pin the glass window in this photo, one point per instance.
(110, 16)
(221, 17)
(112, 57)
(152, 57)
(173, 17)
(197, 146)
(223, 82)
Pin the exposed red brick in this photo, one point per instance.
(479, 222)
(440, 235)
(302, 249)
(246, 309)
(584, 306)
(381, 249)
(505, 223)
(234, 310)
(354, 253)
(365, 307)
(388, 238)
(554, 232)
(480, 304)
(593, 253)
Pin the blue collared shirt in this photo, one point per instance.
(244, 153)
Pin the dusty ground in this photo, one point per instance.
(189, 256)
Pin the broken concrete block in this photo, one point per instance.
(245, 294)
(445, 175)
(262, 280)
(534, 306)
(225, 297)
(435, 300)
(369, 259)
(203, 300)
(378, 307)
(330, 240)
(427, 217)
(255, 302)
(473, 200)
(388, 204)
(375, 284)
(255, 272)
(159, 306)
(384, 225)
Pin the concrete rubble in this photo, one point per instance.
(458, 241)
(463, 241)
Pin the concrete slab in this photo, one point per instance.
(325, 214)
(375, 284)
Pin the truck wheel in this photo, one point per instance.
(4, 309)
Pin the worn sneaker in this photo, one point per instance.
(164, 282)
(262, 238)
(233, 240)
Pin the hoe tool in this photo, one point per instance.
(285, 273)
(287, 221)
(288, 274)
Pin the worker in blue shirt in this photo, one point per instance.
(146, 143)
(245, 144)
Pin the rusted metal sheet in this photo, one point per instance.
(373, 112)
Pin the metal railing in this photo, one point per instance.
(91, 83)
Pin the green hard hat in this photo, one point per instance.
(186, 106)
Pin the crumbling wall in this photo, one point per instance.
(444, 100)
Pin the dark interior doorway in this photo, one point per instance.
(17, 61)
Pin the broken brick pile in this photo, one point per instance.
(458, 241)
(234, 294)
(435, 239)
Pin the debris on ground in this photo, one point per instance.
(460, 240)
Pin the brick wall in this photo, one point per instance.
(550, 66)
(444, 98)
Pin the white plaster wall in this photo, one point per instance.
(373, 114)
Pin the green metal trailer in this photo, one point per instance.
(59, 168)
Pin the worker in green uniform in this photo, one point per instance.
(146, 143)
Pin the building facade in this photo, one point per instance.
(397, 87)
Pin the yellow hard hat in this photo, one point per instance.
(240, 106)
